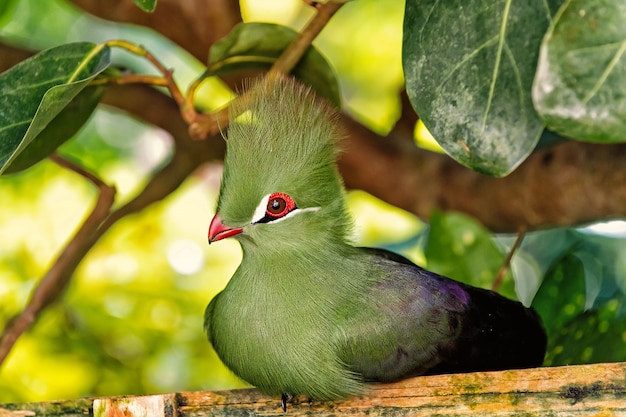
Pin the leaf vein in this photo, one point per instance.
(605, 74)
(467, 58)
(496, 66)
(518, 78)
(16, 124)
(96, 50)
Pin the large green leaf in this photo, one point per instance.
(561, 296)
(580, 87)
(469, 68)
(35, 91)
(146, 5)
(582, 299)
(591, 337)
(460, 248)
(258, 45)
(60, 129)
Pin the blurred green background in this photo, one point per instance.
(131, 320)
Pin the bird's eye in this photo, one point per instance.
(278, 205)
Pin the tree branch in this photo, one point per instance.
(303, 41)
(571, 183)
(567, 184)
(188, 155)
(193, 24)
(566, 391)
(56, 279)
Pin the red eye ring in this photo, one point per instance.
(278, 205)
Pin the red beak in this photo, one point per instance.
(219, 231)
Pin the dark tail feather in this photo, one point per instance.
(496, 334)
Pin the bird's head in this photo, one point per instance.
(280, 183)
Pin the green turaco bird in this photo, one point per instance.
(309, 313)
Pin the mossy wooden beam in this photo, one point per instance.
(583, 390)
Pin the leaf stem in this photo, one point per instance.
(133, 79)
(521, 231)
(167, 80)
(188, 110)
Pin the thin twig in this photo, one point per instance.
(188, 110)
(167, 73)
(296, 49)
(206, 124)
(133, 79)
(163, 183)
(67, 164)
(58, 276)
(507, 262)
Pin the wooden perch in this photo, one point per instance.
(582, 390)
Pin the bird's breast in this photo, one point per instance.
(273, 340)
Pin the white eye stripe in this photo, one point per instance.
(259, 212)
(293, 213)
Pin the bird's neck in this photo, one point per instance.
(313, 253)
(320, 266)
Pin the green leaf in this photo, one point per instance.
(146, 5)
(591, 337)
(561, 296)
(460, 248)
(537, 254)
(469, 68)
(258, 45)
(35, 91)
(60, 129)
(582, 300)
(604, 263)
(580, 87)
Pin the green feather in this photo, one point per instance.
(279, 310)
(308, 313)
(284, 141)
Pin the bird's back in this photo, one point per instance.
(424, 323)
